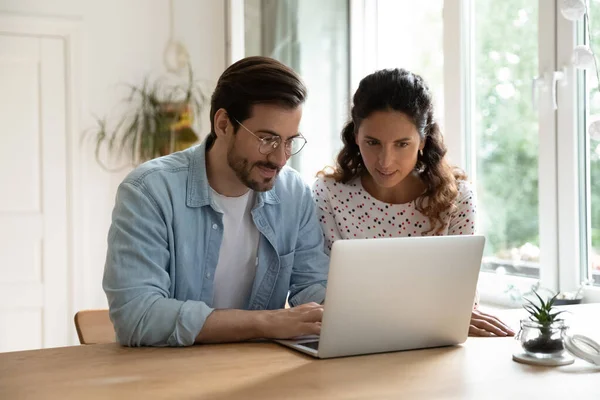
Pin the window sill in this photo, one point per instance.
(494, 289)
(591, 294)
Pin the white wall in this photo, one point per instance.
(121, 41)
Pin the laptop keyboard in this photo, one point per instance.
(311, 345)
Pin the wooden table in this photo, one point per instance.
(481, 368)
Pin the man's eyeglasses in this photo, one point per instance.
(269, 144)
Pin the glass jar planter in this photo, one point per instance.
(542, 341)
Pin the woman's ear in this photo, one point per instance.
(422, 144)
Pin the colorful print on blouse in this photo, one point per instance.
(348, 211)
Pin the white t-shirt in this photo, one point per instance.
(348, 211)
(236, 267)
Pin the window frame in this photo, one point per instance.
(460, 137)
(563, 210)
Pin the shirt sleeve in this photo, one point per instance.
(136, 278)
(462, 219)
(325, 213)
(308, 282)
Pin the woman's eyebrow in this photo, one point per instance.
(405, 139)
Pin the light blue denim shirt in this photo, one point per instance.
(163, 248)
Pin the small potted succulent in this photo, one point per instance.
(541, 334)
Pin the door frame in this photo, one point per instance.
(69, 31)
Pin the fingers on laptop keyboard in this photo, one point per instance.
(487, 327)
(475, 331)
(498, 327)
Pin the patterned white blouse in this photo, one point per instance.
(348, 211)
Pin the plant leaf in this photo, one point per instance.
(529, 309)
(542, 303)
(554, 315)
(538, 309)
(551, 301)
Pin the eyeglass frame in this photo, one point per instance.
(277, 142)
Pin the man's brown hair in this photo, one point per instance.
(254, 80)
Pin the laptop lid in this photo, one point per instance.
(399, 293)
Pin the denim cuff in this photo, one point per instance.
(314, 293)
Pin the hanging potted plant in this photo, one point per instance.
(158, 121)
(541, 334)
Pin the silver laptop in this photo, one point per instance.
(396, 294)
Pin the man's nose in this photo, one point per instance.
(278, 156)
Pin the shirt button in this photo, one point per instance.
(215, 226)
(208, 275)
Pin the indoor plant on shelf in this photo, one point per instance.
(541, 334)
(157, 121)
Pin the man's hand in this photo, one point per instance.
(483, 324)
(239, 325)
(287, 323)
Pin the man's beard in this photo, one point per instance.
(243, 170)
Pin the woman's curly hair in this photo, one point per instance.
(405, 92)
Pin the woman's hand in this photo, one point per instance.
(483, 324)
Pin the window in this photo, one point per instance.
(536, 166)
(422, 22)
(510, 92)
(589, 111)
(505, 134)
(316, 45)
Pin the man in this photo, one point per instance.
(205, 244)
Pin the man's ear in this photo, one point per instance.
(221, 122)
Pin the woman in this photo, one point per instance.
(392, 178)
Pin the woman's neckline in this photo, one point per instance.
(359, 182)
